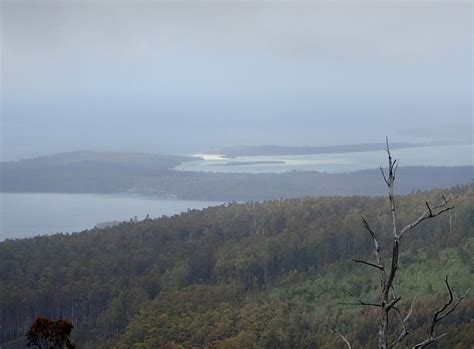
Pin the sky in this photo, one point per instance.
(184, 77)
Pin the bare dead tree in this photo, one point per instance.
(388, 300)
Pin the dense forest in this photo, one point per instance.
(273, 274)
(89, 172)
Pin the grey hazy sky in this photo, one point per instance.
(187, 76)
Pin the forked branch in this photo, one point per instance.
(429, 213)
(439, 315)
(392, 167)
(403, 323)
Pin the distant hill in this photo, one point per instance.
(150, 174)
(269, 150)
(155, 161)
(84, 171)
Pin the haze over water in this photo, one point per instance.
(188, 76)
(446, 155)
(29, 214)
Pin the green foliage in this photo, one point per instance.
(47, 334)
(271, 274)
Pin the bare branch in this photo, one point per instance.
(445, 306)
(396, 167)
(444, 199)
(393, 268)
(392, 167)
(387, 147)
(367, 226)
(404, 332)
(378, 254)
(376, 243)
(392, 303)
(391, 164)
(429, 209)
(453, 308)
(428, 341)
(400, 338)
(407, 317)
(368, 263)
(333, 331)
(439, 315)
(359, 302)
(430, 213)
(383, 175)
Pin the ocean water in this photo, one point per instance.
(28, 214)
(446, 155)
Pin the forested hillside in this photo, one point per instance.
(254, 275)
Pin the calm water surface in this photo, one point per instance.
(29, 214)
(445, 155)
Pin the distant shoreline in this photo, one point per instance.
(278, 150)
(247, 163)
(239, 180)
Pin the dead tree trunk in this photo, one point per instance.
(387, 272)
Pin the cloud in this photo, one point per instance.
(313, 71)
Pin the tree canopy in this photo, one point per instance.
(272, 274)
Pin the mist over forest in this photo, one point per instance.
(257, 174)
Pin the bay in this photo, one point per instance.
(28, 214)
(439, 155)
